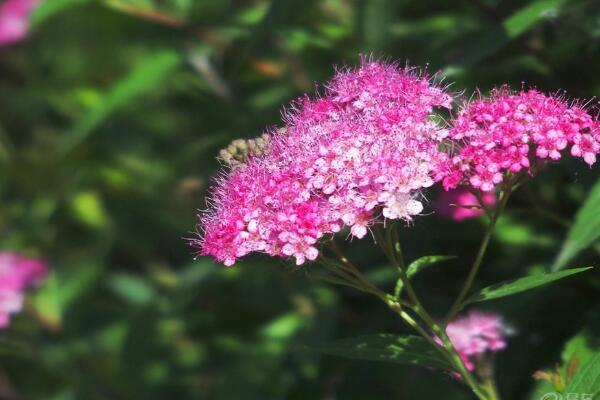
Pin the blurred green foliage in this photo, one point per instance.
(111, 115)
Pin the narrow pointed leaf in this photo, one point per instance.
(419, 264)
(584, 232)
(146, 76)
(416, 266)
(399, 349)
(509, 288)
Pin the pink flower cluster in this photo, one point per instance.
(362, 151)
(17, 273)
(477, 334)
(509, 131)
(14, 20)
(459, 204)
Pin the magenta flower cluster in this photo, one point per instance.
(511, 131)
(14, 20)
(364, 151)
(476, 334)
(17, 273)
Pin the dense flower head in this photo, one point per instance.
(17, 273)
(361, 152)
(510, 132)
(14, 19)
(476, 334)
(461, 204)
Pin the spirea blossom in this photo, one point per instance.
(17, 273)
(510, 132)
(460, 204)
(477, 334)
(361, 152)
(14, 20)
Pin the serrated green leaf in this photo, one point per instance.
(148, 74)
(510, 288)
(587, 381)
(399, 349)
(584, 232)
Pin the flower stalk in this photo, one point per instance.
(495, 215)
(391, 246)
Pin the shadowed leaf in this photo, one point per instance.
(399, 349)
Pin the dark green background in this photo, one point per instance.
(111, 115)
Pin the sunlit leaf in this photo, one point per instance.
(510, 288)
(584, 232)
(147, 75)
(421, 263)
(46, 302)
(529, 15)
(495, 38)
(587, 380)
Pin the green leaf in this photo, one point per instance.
(132, 289)
(584, 232)
(416, 266)
(493, 39)
(419, 264)
(88, 208)
(509, 288)
(77, 282)
(148, 74)
(587, 381)
(47, 304)
(398, 349)
(49, 8)
(578, 346)
(378, 18)
(528, 16)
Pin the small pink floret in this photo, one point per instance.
(17, 273)
(476, 334)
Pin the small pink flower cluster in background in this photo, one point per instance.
(14, 20)
(17, 273)
(363, 150)
(508, 131)
(460, 204)
(477, 334)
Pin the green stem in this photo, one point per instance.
(392, 249)
(458, 303)
(394, 252)
(490, 388)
